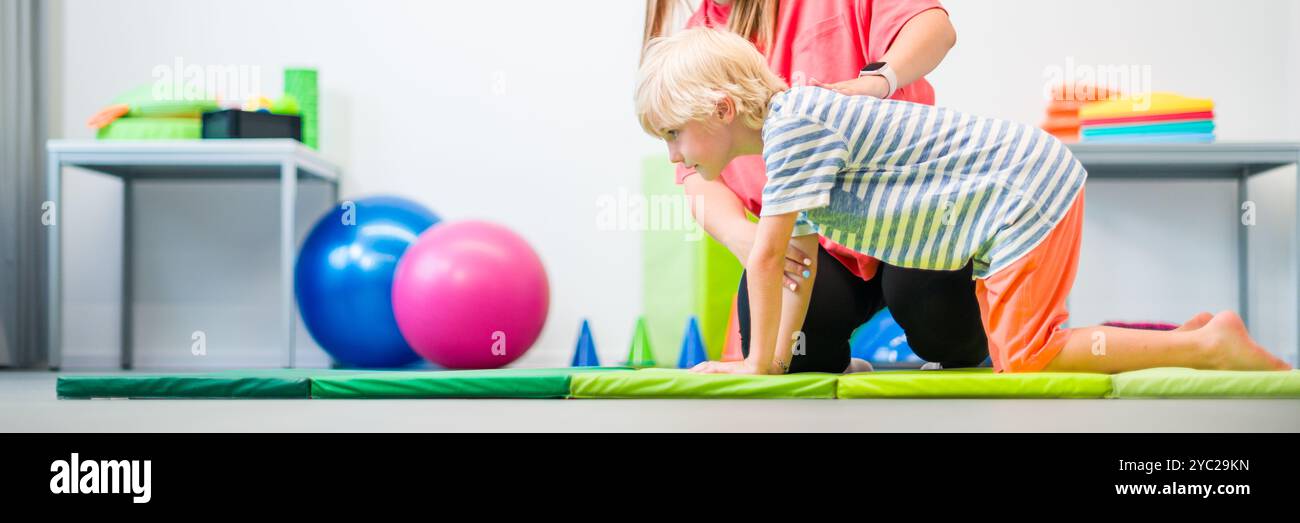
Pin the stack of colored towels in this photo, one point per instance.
(1151, 118)
(1063, 109)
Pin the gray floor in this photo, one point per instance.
(28, 404)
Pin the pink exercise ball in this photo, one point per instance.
(470, 295)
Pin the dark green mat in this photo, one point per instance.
(496, 383)
(328, 383)
(259, 383)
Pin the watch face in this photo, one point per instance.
(873, 66)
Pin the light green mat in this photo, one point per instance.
(680, 383)
(1190, 383)
(972, 383)
(494, 383)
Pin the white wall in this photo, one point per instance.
(1242, 55)
(502, 111)
(1156, 250)
(520, 114)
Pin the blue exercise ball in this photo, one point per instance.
(881, 340)
(344, 279)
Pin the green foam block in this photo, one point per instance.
(164, 100)
(973, 383)
(260, 383)
(685, 271)
(679, 383)
(1190, 383)
(152, 129)
(494, 383)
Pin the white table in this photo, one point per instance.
(285, 160)
(1209, 161)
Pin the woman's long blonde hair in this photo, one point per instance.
(753, 19)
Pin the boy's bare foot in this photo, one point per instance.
(1196, 322)
(1231, 347)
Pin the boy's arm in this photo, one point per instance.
(721, 214)
(775, 317)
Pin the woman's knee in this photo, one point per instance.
(953, 350)
(939, 313)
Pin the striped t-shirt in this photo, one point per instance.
(913, 185)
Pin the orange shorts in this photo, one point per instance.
(1023, 305)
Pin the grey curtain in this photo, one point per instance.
(24, 68)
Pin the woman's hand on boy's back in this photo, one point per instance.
(875, 86)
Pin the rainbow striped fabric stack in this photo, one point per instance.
(1063, 109)
(1150, 118)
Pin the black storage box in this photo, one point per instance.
(233, 123)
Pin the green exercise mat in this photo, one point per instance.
(972, 383)
(618, 382)
(680, 383)
(260, 383)
(1172, 382)
(495, 383)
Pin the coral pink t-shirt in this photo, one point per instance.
(829, 41)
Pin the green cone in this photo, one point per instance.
(639, 355)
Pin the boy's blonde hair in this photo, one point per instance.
(684, 76)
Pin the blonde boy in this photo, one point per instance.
(914, 186)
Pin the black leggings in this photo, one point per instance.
(936, 309)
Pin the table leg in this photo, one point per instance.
(128, 285)
(54, 265)
(1243, 249)
(288, 201)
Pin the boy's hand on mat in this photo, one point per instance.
(724, 367)
(876, 86)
